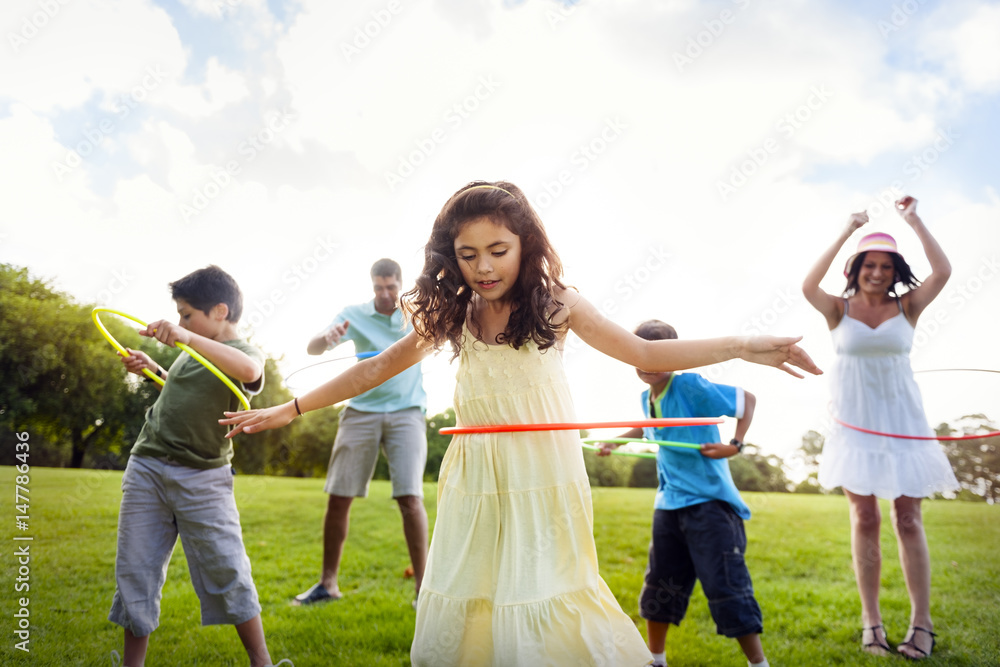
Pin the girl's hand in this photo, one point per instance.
(167, 333)
(252, 421)
(717, 450)
(778, 352)
(907, 207)
(136, 361)
(856, 222)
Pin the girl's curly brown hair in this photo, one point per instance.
(438, 304)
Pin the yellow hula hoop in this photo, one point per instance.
(150, 374)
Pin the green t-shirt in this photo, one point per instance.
(183, 426)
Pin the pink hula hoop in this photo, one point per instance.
(942, 438)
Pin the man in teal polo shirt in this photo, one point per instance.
(390, 417)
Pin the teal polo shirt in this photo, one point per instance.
(372, 331)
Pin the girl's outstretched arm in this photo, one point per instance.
(361, 377)
(916, 300)
(675, 355)
(832, 307)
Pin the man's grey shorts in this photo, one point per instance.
(159, 502)
(402, 435)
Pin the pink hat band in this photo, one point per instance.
(877, 242)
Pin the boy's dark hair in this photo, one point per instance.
(206, 288)
(386, 268)
(903, 275)
(655, 330)
(438, 305)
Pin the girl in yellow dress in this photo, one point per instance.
(512, 573)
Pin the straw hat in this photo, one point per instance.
(877, 242)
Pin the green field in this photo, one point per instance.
(798, 555)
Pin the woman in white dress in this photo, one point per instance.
(872, 387)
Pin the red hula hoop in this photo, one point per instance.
(577, 426)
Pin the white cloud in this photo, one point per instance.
(213, 8)
(35, 196)
(224, 9)
(221, 88)
(970, 46)
(87, 48)
(755, 75)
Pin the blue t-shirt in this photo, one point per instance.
(685, 476)
(372, 331)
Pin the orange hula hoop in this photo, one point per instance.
(578, 426)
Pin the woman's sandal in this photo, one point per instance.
(909, 642)
(876, 641)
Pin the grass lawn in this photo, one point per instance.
(799, 557)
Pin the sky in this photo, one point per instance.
(690, 160)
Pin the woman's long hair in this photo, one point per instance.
(903, 275)
(438, 305)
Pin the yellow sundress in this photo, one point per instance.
(512, 575)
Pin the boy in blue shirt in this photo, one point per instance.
(698, 517)
(178, 481)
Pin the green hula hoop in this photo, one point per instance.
(150, 374)
(639, 455)
(589, 444)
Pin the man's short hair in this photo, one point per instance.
(387, 268)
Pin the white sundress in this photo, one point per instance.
(872, 387)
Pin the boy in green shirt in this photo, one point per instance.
(178, 480)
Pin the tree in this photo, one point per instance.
(305, 446)
(810, 450)
(976, 461)
(59, 378)
(644, 474)
(808, 453)
(608, 470)
(437, 444)
(752, 471)
(809, 485)
(268, 452)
